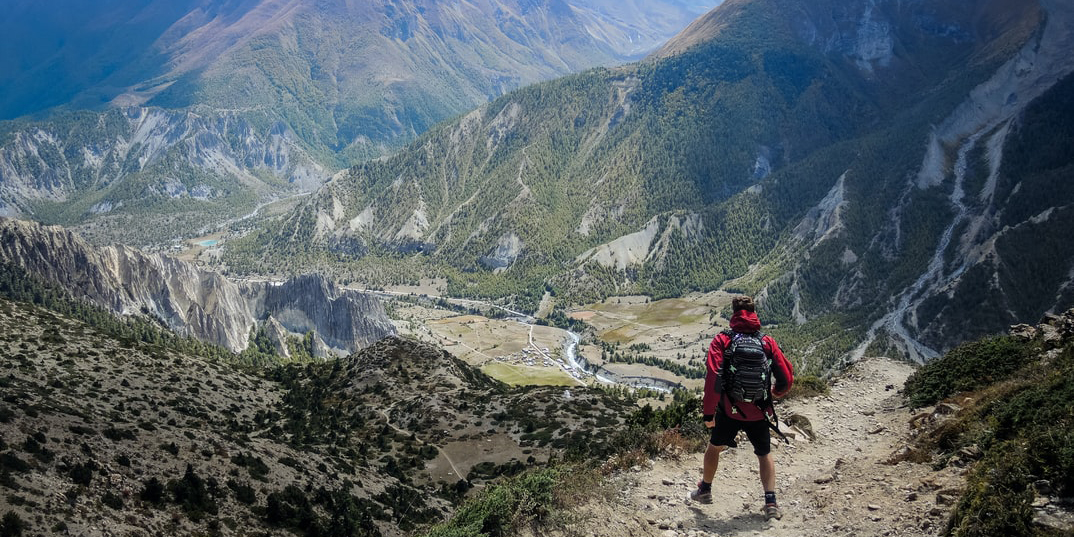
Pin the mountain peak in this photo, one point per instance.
(704, 28)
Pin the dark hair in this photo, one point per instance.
(742, 302)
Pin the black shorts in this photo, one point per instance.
(727, 428)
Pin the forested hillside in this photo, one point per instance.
(820, 155)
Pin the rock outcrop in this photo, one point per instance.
(189, 300)
(344, 320)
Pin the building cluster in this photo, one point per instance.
(530, 356)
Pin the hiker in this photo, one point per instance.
(746, 370)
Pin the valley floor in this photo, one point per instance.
(838, 485)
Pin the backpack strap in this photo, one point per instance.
(774, 422)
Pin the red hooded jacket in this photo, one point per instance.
(744, 322)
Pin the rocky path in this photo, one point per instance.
(836, 485)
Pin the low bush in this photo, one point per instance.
(194, 495)
(116, 435)
(1024, 427)
(12, 525)
(808, 386)
(244, 493)
(82, 474)
(112, 500)
(152, 491)
(504, 508)
(967, 367)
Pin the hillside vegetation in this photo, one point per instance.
(755, 159)
(976, 443)
(1009, 400)
(112, 422)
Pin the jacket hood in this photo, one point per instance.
(745, 322)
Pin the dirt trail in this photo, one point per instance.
(837, 485)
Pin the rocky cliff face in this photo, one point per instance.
(189, 300)
(343, 320)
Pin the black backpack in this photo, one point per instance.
(747, 369)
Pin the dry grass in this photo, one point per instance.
(669, 443)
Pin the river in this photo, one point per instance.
(577, 366)
(582, 368)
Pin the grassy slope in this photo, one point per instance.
(1013, 426)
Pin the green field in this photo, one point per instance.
(523, 375)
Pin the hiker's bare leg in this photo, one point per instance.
(768, 472)
(712, 461)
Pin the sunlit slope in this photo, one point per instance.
(811, 151)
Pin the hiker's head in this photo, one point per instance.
(742, 303)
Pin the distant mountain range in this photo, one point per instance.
(347, 55)
(195, 110)
(884, 175)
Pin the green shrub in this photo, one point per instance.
(153, 491)
(112, 500)
(194, 495)
(808, 386)
(82, 474)
(10, 461)
(116, 435)
(967, 367)
(997, 497)
(290, 508)
(254, 464)
(1042, 417)
(501, 509)
(1023, 426)
(12, 525)
(244, 493)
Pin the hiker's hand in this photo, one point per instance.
(710, 424)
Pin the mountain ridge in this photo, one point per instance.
(261, 100)
(772, 158)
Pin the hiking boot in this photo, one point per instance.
(701, 496)
(772, 511)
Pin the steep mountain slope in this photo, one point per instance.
(193, 302)
(99, 435)
(820, 154)
(148, 175)
(74, 49)
(214, 106)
